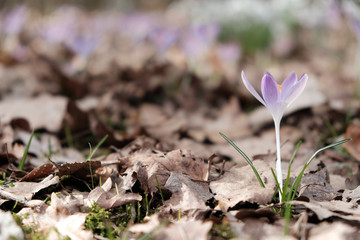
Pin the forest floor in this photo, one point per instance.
(128, 147)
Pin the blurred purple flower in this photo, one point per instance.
(83, 44)
(352, 11)
(163, 38)
(57, 32)
(14, 21)
(103, 23)
(355, 25)
(228, 52)
(333, 15)
(60, 25)
(198, 39)
(137, 25)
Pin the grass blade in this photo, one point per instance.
(287, 180)
(22, 162)
(158, 185)
(297, 181)
(246, 158)
(92, 151)
(277, 181)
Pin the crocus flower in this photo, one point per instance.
(198, 39)
(228, 52)
(277, 98)
(163, 38)
(83, 44)
(15, 20)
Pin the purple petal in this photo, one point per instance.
(288, 82)
(292, 93)
(251, 89)
(270, 91)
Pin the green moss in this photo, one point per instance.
(98, 220)
(18, 219)
(110, 224)
(30, 232)
(222, 230)
(38, 236)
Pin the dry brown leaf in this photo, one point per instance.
(79, 170)
(167, 128)
(230, 121)
(39, 172)
(178, 230)
(337, 182)
(254, 226)
(201, 128)
(327, 209)
(197, 148)
(333, 231)
(266, 213)
(18, 81)
(352, 196)
(240, 185)
(20, 124)
(68, 84)
(68, 155)
(353, 132)
(24, 191)
(316, 185)
(151, 223)
(161, 164)
(44, 111)
(187, 196)
(184, 230)
(38, 147)
(58, 220)
(107, 197)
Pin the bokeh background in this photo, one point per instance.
(113, 56)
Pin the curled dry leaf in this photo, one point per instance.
(79, 170)
(58, 220)
(107, 196)
(39, 172)
(353, 132)
(240, 185)
(24, 191)
(187, 196)
(316, 185)
(152, 162)
(328, 209)
(333, 231)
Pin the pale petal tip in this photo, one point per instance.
(305, 76)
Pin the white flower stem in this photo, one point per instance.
(278, 160)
